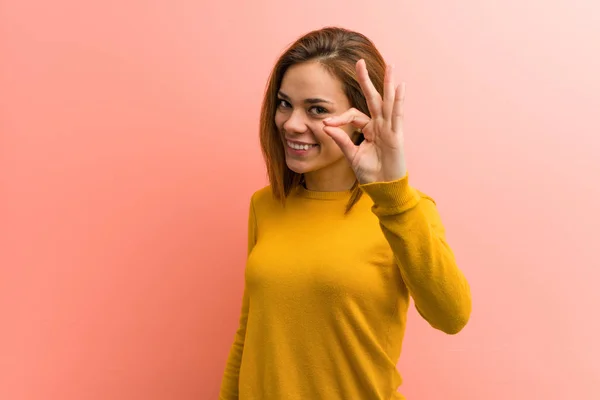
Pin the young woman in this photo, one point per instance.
(339, 240)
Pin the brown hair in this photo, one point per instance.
(338, 50)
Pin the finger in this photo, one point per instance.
(351, 116)
(341, 138)
(389, 90)
(371, 95)
(398, 112)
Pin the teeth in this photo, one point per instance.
(297, 146)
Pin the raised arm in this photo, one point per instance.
(412, 225)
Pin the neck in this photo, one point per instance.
(336, 178)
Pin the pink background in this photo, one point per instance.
(129, 150)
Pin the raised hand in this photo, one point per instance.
(380, 157)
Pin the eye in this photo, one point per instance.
(319, 110)
(282, 103)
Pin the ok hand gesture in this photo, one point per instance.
(380, 157)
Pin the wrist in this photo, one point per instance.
(391, 197)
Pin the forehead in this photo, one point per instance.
(311, 79)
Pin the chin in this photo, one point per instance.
(298, 167)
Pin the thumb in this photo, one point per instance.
(341, 138)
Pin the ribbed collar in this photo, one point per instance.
(311, 194)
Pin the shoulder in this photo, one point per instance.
(263, 199)
(262, 195)
(264, 206)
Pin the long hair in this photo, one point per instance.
(337, 50)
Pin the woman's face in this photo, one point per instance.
(309, 94)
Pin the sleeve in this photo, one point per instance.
(414, 230)
(230, 381)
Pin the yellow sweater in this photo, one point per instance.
(326, 294)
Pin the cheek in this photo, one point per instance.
(324, 138)
(329, 148)
(279, 120)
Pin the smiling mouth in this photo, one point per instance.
(299, 146)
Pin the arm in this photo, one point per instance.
(413, 228)
(229, 384)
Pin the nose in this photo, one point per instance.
(295, 123)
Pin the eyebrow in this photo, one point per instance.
(307, 101)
